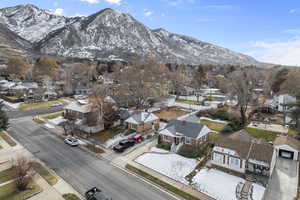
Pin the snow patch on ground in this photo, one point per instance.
(171, 165)
(57, 120)
(213, 120)
(12, 105)
(158, 150)
(49, 126)
(222, 186)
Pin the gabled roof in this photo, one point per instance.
(177, 128)
(78, 108)
(246, 146)
(140, 117)
(285, 140)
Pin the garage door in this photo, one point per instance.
(286, 154)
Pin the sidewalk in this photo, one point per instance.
(129, 159)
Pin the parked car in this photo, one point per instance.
(123, 145)
(71, 141)
(95, 194)
(137, 138)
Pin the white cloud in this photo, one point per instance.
(218, 6)
(178, 2)
(292, 31)
(117, 2)
(292, 11)
(285, 53)
(58, 11)
(147, 13)
(91, 1)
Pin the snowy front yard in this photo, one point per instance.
(169, 164)
(222, 186)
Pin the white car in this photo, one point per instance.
(71, 141)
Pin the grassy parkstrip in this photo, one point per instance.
(188, 102)
(10, 192)
(7, 175)
(269, 136)
(161, 183)
(70, 196)
(7, 139)
(51, 115)
(41, 170)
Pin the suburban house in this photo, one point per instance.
(81, 89)
(121, 100)
(141, 121)
(287, 147)
(241, 153)
(86, 120)
(278, 102)
(184, 133)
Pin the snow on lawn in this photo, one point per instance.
(222, 186)
(158, 150)
(57, 120)
(49, 126)
(171, 165)
(12, 105)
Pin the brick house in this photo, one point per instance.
(184, 133)
(140, 121)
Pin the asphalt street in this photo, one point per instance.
(80, 168)
(13, 114)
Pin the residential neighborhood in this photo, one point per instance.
(88, 115)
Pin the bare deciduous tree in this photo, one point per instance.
(17, 66)
(24, 172)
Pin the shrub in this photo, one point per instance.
(189, 152)
(70, 196)
(164, 146)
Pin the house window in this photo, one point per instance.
(134, 126)
(234, 161)
(218, 157)
(167, 138)
(188, 140)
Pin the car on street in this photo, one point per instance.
(95, 194)
(71, 141)
(123, 145)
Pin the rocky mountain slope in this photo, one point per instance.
(110, 34)
(11, 44)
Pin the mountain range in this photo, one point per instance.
(107, 34)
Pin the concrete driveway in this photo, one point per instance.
(284, 181)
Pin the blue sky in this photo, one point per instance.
(268, 30)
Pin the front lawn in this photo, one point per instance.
(269, 136)
(41, 170)
(107, 134)
(170, 113)
(7, 175)
(10, 192)
(7, 139)
(161, 183)
(214, 136)
(292, 132)
(215, 126)
(44, 104)
(188, 102)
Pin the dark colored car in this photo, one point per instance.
(95, 194)
(123, 145)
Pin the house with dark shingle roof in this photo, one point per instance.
(242, 153)
(141, 121)
(184, 133)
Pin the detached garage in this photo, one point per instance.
(287, 147)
